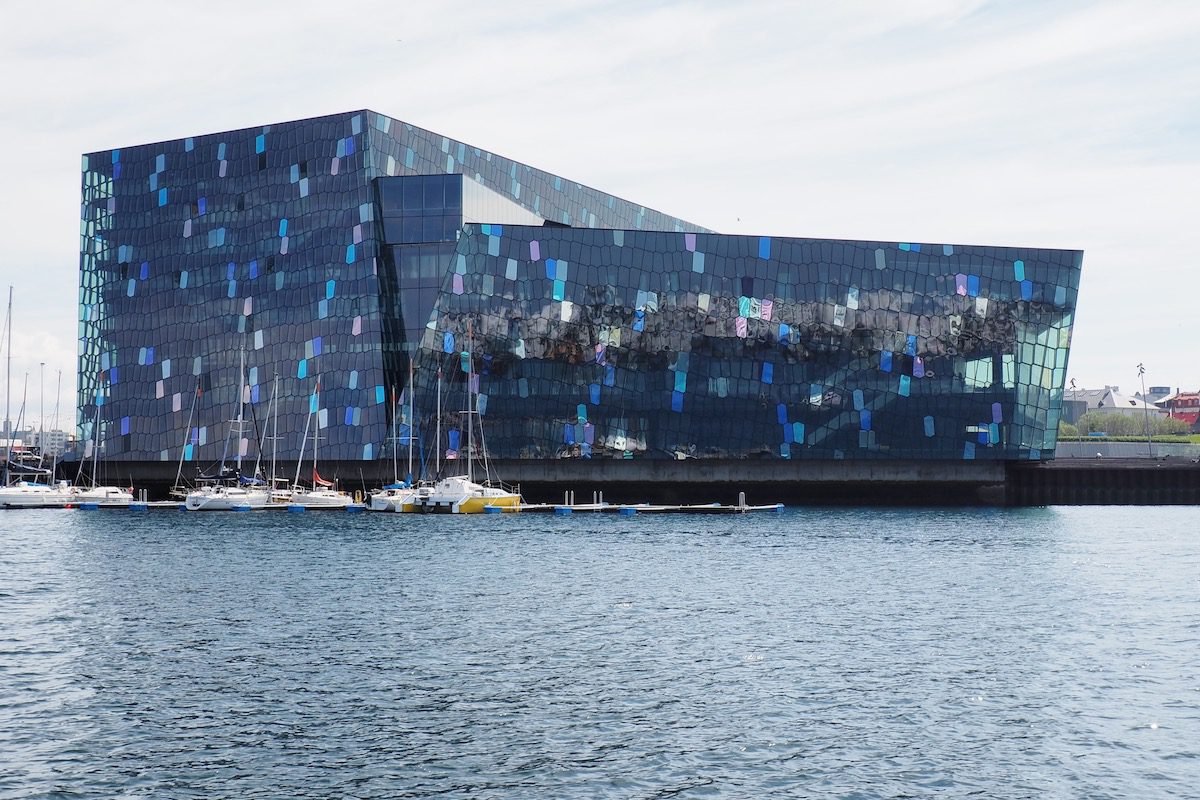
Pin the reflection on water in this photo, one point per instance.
(868, 653)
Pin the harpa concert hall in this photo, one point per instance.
(308, 264)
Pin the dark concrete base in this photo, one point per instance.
(676, 482)
(939, 483)
(1104, 481)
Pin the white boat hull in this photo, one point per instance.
(104, 495)
(37, 495)
(394, 500)
(320, 498)
(224, 498)
(457, 495)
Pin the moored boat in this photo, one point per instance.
(458, 494)
(30, 494)
(395, 497)
(225, 497)
(230, 490)
(462, 494)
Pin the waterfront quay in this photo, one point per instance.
(1104, 481)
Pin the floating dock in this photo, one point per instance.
(630, 509)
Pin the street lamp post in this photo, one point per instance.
(1146, 410)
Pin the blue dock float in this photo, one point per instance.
(563, 511)
(627, 512)
(89, 506)
(492, 509)
(356, 508)
(139, 507)
(241, 508)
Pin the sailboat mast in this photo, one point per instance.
(187, 432)
(411, 418)
(241, 409)
(303, 442)
(470, 408)
(8, 432)
(95, 444)
(437, 450)
(41, 414)
(274, 432)
(395, 435)
(316, 432)
(57, 404)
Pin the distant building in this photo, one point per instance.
(1156, 393)
(1183, 406)
(51, 443)
(1109, 400)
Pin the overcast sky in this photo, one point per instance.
(1045, 124)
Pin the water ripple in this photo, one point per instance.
(850, 653)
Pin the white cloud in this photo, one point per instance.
(1064, 124)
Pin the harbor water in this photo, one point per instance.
(812, 653)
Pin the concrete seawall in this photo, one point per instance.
(1070, 481)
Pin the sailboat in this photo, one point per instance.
(229, 490)
(22, 489)
(398, 496)
(95, 493)
(461, 494)
(322, 493)
(17, 491)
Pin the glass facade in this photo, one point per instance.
(683, 345)
(341, 248)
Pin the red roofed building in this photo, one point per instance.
(1184, 406)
